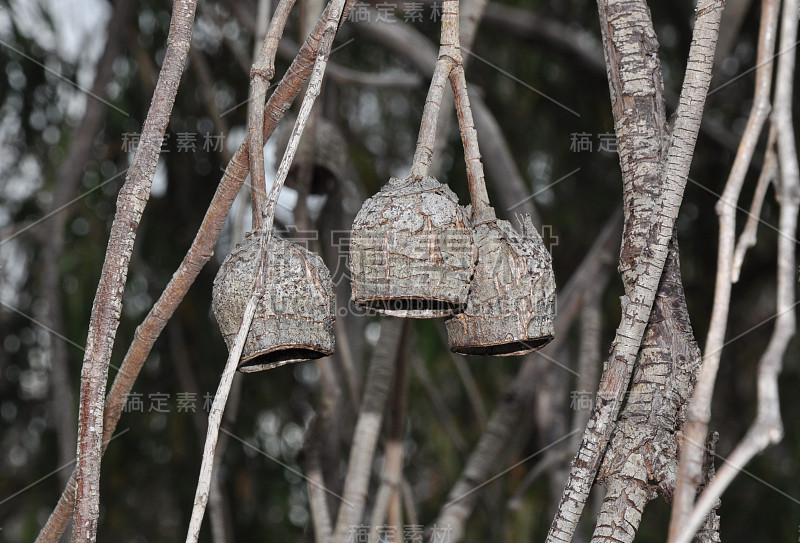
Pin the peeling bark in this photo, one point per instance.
(654, 173)
(642, 454)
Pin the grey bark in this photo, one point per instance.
(642, 454)
(107, 306)
(654, 173)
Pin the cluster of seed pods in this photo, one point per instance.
(414, 252)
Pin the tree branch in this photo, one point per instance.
(365, 437)
(68, 176)
(700, 408)
(261, 74)
(108, 301)
(652, 197)
(767, 428)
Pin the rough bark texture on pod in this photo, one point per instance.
(324, 147)
(294, 318)
(511, 303)
(411, 251)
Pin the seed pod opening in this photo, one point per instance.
(511, 304)
(294, 317)
(411, 251)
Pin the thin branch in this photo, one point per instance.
(392, 474)
(423, 154)
(510, 188)
(365, 437)
(314, 87)
(220, 399)
(768, 176)
(107, 305)
(699, 412)
(198, 255)
(405, 40)
(767, 428)
(261, 74)
(481, 210)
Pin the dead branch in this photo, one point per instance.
(107, 305)
(653, 194)
(767, 428)
(365, 437)
(700, 409)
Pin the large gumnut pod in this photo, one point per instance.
(511, 304)
(294, 317)
(323, 146)
(411, 251)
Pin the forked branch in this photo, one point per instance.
(767, 428)
(699, 412)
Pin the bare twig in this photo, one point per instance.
(108, 301)
(365, 437)
(510, 188)
(220, 399)
(261, 74)
(481, 210)
(700, 408)
(405, 40)
(768, 176)
(314, 85)
(767, 428)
